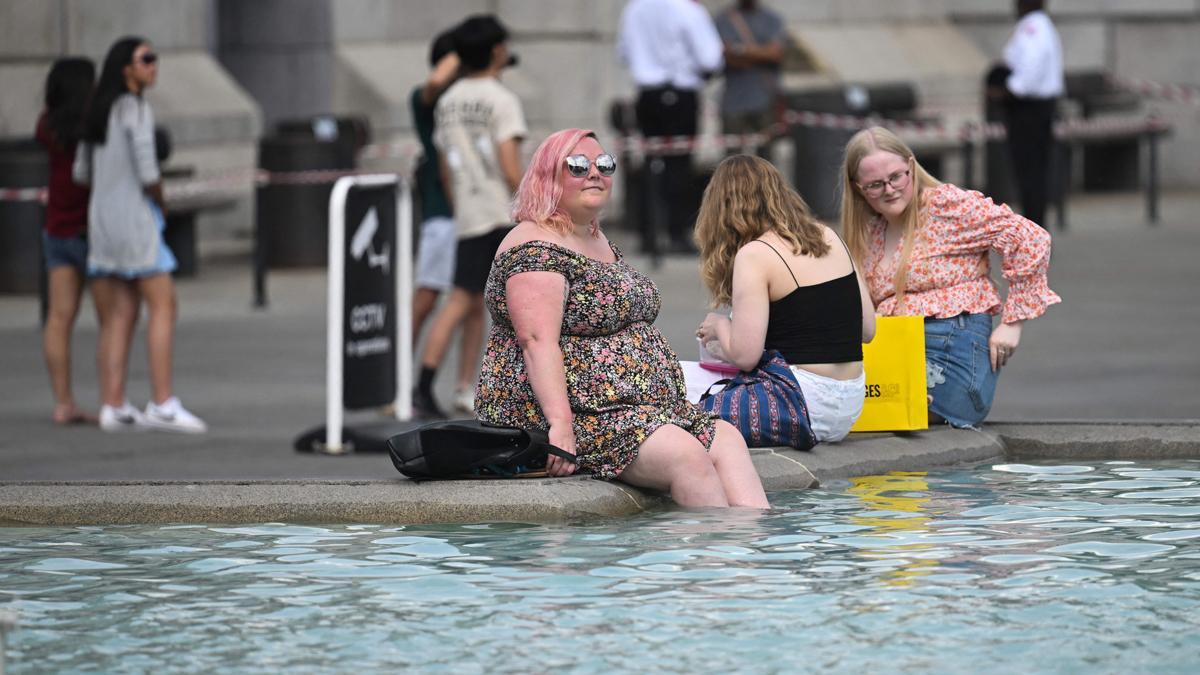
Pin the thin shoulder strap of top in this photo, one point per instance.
(853, 266)
(785, 264)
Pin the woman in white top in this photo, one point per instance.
(128, 261)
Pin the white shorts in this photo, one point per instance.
(435, 253)
(833, 405)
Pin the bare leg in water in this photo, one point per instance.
(674, 461)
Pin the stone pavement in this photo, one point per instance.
(1121, 347)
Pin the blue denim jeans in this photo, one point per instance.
(958, 368)
(68, 252)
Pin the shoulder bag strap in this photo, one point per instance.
(747, 36)
(743, 30)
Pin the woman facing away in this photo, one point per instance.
(573, 347)
(923, 247)
(792, 286)
(64, 234)
(128, 261)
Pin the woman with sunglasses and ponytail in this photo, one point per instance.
(923, 248)
(573, 348)
(128, 261)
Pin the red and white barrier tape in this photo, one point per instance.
(225, 182)
(241, 180)
(406, 150)
(911, 130)
(1177, 93)
(35, 194)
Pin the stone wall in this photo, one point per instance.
(213, 121)
(1149, 39)
(231, 68)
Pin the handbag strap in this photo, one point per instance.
(499, 470)
(495, 457)
(561, 454)
(708, 393)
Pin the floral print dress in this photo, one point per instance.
(623, 379)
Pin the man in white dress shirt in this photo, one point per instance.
(671, 47)
(1034, 55)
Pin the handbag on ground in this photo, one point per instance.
(454, 449)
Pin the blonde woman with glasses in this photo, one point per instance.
(923, 247)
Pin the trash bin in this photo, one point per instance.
(292, 217)
(23, 164)
(350, 134)
(180, 231)
(1109, 165)
(819, 149)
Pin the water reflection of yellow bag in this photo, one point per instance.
(895, 365)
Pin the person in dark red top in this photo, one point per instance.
(64, 238)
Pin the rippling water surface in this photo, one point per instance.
(997, 568)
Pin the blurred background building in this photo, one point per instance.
(232, 70)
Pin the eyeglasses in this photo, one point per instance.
(578, 165)
(149, 58)
(898, 181)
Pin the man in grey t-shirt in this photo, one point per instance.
(754, 45)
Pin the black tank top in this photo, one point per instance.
(821, 323)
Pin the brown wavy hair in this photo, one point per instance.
(857, 214)
(746, 198)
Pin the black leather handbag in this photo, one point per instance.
(454, 449)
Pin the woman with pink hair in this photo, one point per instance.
(573, 347)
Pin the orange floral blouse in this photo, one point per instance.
(950, 273)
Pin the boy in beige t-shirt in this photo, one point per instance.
(478, 131)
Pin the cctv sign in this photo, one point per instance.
(369, 322)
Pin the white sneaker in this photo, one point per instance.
(124, 418)
(172, 416)
(464, 400)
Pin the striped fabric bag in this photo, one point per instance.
(765, 405)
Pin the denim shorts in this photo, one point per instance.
(65, 251)
(958, 368)
(164, 261)
(435, 253)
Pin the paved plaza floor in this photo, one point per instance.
(1123, 345)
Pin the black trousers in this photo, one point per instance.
(667, 111)
(1030, 124)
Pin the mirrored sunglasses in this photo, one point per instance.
(578, 165)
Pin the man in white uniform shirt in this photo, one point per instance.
(671, 47)
(479, 124)
(1034, 55)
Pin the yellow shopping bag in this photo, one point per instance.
(895, 365)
